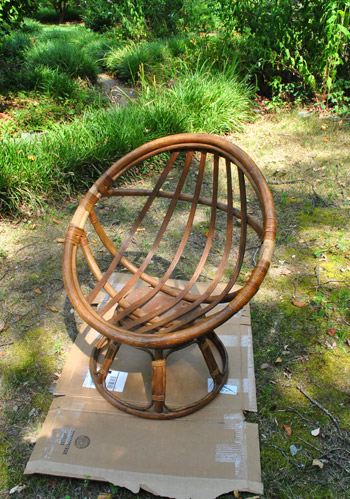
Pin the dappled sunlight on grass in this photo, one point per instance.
(300, 316)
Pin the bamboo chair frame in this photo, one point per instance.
(182, 318)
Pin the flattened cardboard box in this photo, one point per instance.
(202, 455)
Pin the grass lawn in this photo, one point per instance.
(300, 320)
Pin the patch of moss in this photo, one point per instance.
(28, 362)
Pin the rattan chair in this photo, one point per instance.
(161, 318)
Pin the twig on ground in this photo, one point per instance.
(288, 459)
(291, 409)
(21, 317)
(339, 183)
(326, 411)
(294, 181)
(5, 440)
(23, 247)
(326, 455)
(5, 274)
(308, 443)
(6, 343)
(337, 449)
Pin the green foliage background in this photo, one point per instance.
(292, 46)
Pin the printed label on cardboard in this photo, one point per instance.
(228, 389)
(115, 381)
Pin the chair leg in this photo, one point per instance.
(210, 360)
(158, 384)
(112, 350)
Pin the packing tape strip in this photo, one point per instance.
(235, 452)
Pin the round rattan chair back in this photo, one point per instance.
(191, 218)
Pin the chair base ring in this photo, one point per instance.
(157, 407)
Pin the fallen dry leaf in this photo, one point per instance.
(33, 158)
(315, 432)
(236, 493)
(53, 309)
(332, 332)
(58, 222)
(286, 272)
(17, 488)
(60, 240)
(264, 366)
(299, 304)
(3, 353)
(317, 462)
(332, 346)
(37, 291)
(278, 360)
(105, 495)
(287, 429)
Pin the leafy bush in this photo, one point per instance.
(50, 16)
(12, 13)
(99, 15)
(127, 15)
(199, 16)
(284, 42)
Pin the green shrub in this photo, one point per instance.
(50, 16)
(99, 15)
(64, 56)
(164, 58)
(126, 15)
(156, 58)
(14, 45)
(30, 26)
(201, 101)
(93, 45)
(55, 83)
(46, 15)
(12, 13)
(126, 63)
(283, 42)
